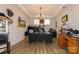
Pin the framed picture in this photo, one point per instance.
(21, 23)
(65, 18)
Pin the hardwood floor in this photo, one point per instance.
(38, 48)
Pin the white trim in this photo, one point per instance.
(54, 15)
(58, 10)
(24, 9)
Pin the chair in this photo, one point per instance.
(4, 40)
(33, 37)
(48, 38)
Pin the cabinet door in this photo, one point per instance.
(73, 45)
(62, 41)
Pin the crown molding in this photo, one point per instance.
(52, 16)
(57, 12)
(24, 10)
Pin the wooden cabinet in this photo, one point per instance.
(70, 43)
(62, 41)
(73, 45)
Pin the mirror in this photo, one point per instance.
(10, 13)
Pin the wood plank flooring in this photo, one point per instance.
(38, 48)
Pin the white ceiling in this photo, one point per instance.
(47, 9)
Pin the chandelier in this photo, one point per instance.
(41, 18)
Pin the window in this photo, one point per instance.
(36, 22)
(47, 22)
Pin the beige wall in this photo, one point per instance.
(73, 17)
(16, 34)
(52, 23)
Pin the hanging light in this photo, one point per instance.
(41, 18)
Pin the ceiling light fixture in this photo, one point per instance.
(41, 18)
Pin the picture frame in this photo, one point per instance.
(21, 23)
(65, 18)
